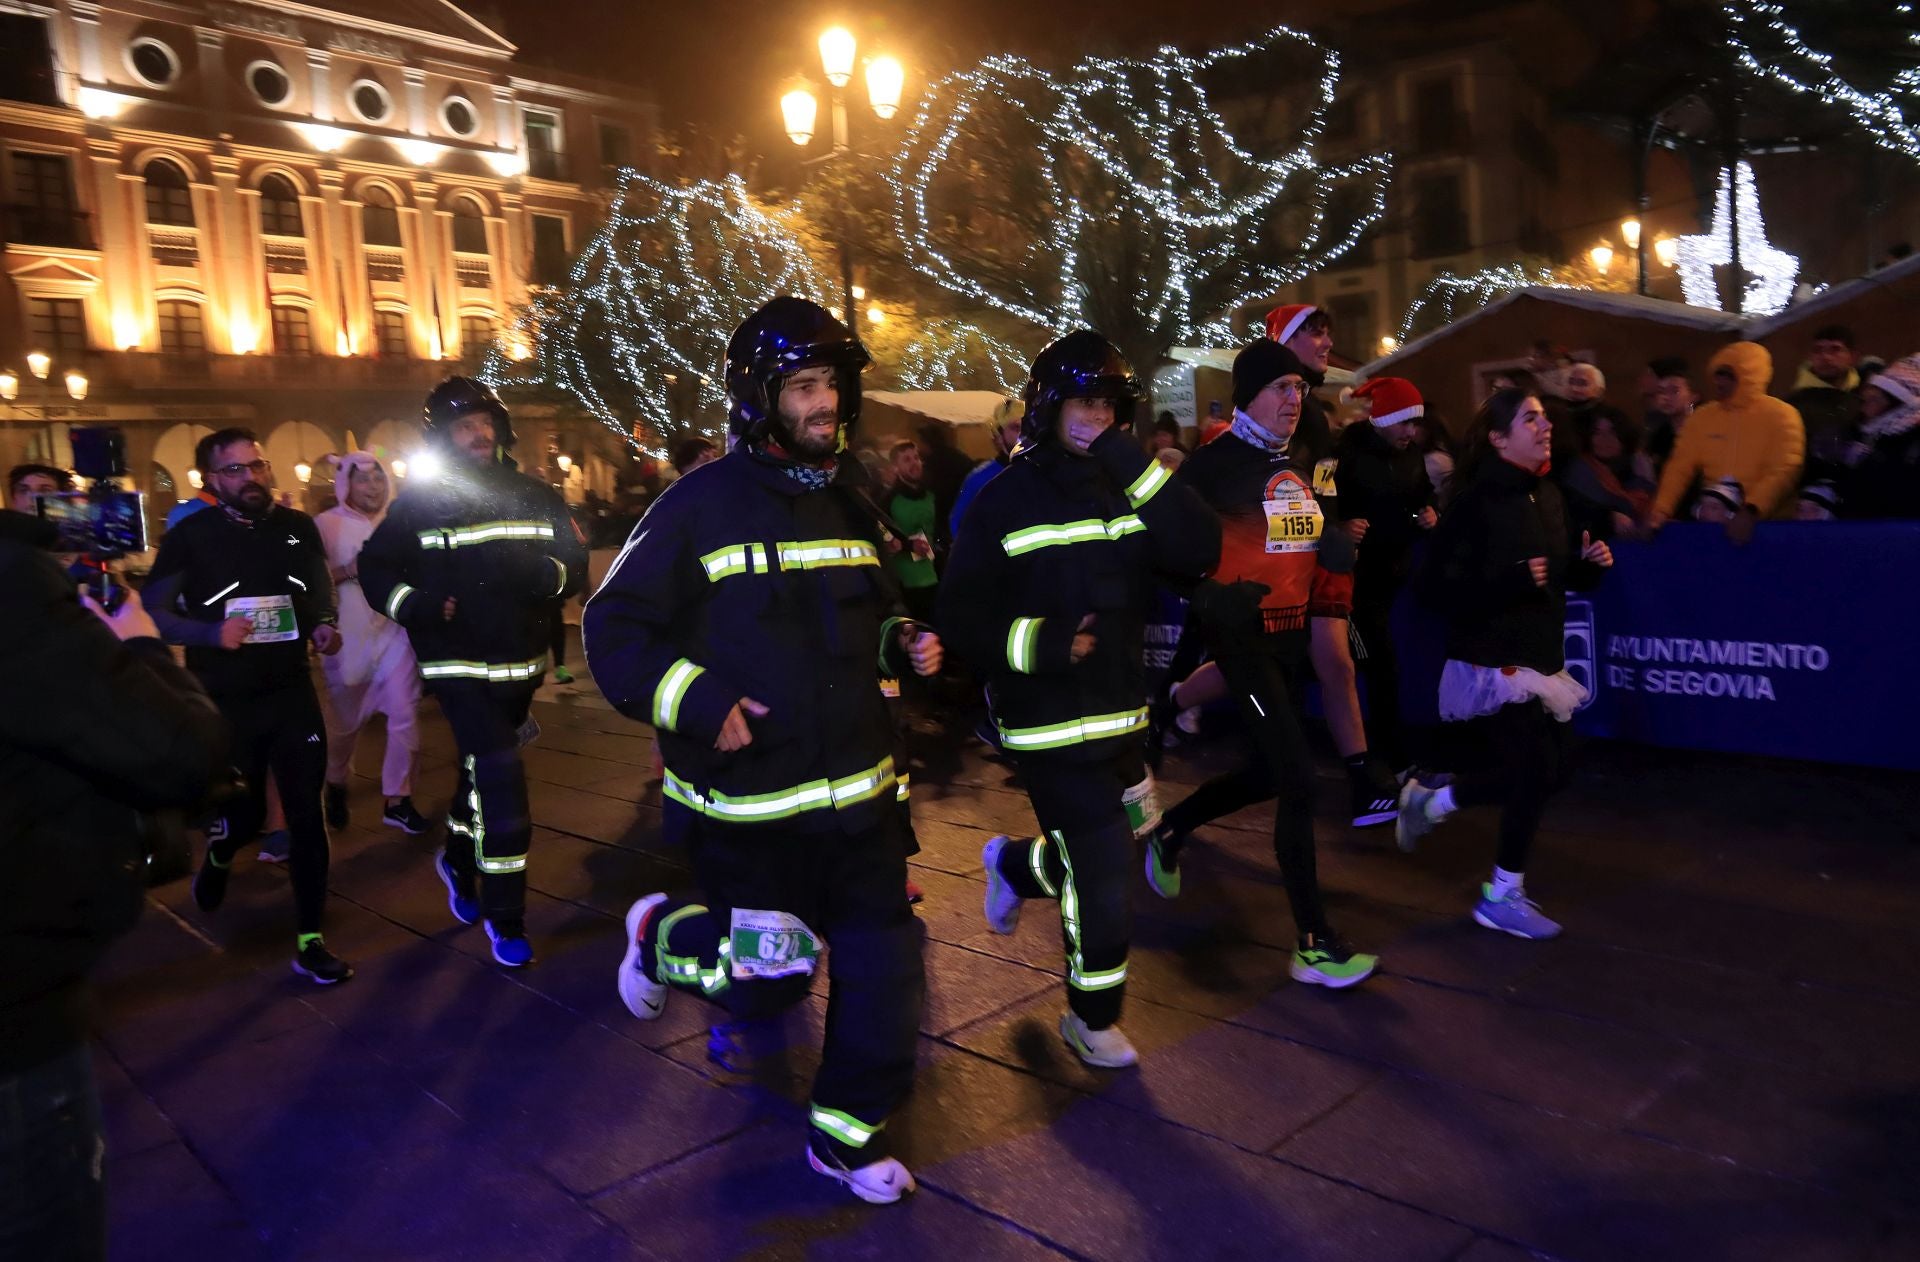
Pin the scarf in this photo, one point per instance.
(1248, 431)
(813, 477)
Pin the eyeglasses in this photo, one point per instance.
(258, 468)
(1286, 387)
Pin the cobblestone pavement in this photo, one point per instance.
(1720, 1059)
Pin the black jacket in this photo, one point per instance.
(1886, 483)
(93, 732)
(1388, 486)
(1051, 539)
(1477, 572)
(208, 561)
(741, 582)
(501, 544)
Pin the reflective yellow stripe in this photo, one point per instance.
(478, 831)
(844, 1127)
(671, 691)
(739, 558)
(1037, 864)
(1074, 732)
(1090, 530)
(1023, 638)
(902, 790)
(483, 532)
(560, 565)
(394, 599)
(492, 672)
(785, 804)
(817, 554)
(1148, 484)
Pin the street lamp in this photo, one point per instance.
(1630, 233)
(40, 364)
(1602, 257)
(1667, 250)
(886, 77)
(836, 55)
(799, 112)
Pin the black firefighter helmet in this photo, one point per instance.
(1077, 365)
(457, 396)
(782, 337)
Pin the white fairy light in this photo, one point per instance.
(1137, 143)
(1771, 48)
(1447, 297)
(1770, 271)
(954, 354)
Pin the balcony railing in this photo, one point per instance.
(473, 270)
(38, 225)
(286, 255)
(386, 263)
(174, 247)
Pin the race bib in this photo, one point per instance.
(527, 733)
(771, 944)
(1293, 522)
(271, 618)
(1323, 477)
(890, 689)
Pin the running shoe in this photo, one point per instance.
(1375, 796)
(561, 675)
(915, 895)
(401, 815)
(1515, 914)
(1163, 862)
(510, 945)
(275, 845)
(461, 899)
(1324, 959)
(879, 1182)
(210, 884)
(1413, 822)
(645, 998)
(1003, 905)
(1103, 1049)
(320, 964)
(334, 806)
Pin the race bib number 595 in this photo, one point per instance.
(771, 944)
(271, 618)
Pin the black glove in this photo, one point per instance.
(1230, 611)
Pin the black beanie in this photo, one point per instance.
(1263, 362)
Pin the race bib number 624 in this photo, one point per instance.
(770, 944)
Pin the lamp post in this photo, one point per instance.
(800, 116)
(42, 394)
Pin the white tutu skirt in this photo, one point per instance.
(1468, 691)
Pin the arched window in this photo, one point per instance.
(469, 229)
(169, 200)
(292, 331)
(380, 218)
(280, 208)
(390, 332)
(182, 331)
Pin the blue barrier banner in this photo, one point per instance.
(1795, 646)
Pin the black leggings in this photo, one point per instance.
(1279, 767)
(1524, 758)
(1372, 618)
(281, 731)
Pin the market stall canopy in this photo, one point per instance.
(1882, 309)
(1454, 365)
(901, 413)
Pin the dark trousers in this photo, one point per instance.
(1083, 857)
(1522, 756)
(850, 890)
(53, 1205)
(1279, 767)
(1380, 666)
(283, 732)
(489, 824)
(557, 637)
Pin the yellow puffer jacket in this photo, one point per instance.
(1755, 439)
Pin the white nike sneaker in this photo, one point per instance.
(645, 998)
(1103, 1049)
(1003, 905)
(879, 1183)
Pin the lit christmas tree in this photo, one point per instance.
(956, 354)
(1879, 96)
(1120, 196)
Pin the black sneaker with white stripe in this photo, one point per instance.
(1373, 805)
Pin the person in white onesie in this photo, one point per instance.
(375, 673)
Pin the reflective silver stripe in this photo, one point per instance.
(483, 532)
(814, 554)
(1148, 484)
(217, 595)
(844, 1127)
(1075, 731)
(1023, 638)
(492, 672)
(399, 593)
(671, 690)
(1091, 530)
(786, 803)
(740, 558)
(560, 565)
(1037, 864)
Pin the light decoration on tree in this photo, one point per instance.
(639, 331)
(1118, 147)
(1769, 271)
(1770, 47)
(1447, 297)
(955, 354)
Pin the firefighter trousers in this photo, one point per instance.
(489, 823)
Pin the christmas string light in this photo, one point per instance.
(1135, 146)
(955, 354)
(1769, 271)
(1771, 48)
(639, 332)
(1447, 297)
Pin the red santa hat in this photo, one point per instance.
(1393, 399)
(1284, 322)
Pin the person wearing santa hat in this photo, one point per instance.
(1383, 485)
(375, 673)
(1307, 331)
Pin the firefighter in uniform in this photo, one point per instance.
(1050, 588)
(470, 560)
(746, 619)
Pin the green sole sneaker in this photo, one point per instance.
(1336, 972)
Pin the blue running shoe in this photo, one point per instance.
(510, 945)
(1515, 914)
(461, 900)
